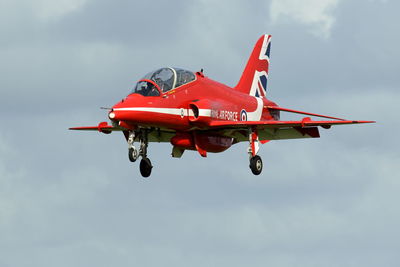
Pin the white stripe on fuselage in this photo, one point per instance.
(251, 116)
(169, 111)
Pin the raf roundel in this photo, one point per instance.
(243, 115)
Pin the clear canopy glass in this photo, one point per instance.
(163, 80)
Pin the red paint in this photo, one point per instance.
(202, 142)
(205, 115)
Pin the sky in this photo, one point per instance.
(74, 199)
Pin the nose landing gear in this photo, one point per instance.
(145, 167)
(134, 154)
(132, 151)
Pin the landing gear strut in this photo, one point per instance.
(134, 154)
(256, 164)
(132, 151)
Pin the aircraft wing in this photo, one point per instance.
(277, 130)
(277, 124)
(103, 127)
(306, 122)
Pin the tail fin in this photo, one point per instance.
(255, 76)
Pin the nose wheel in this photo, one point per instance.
(145, 167)
(256, 165)
(133, 154)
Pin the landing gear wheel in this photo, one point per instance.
(145, 167)
(133, 154)
(256, 165)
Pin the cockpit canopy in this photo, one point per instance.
(163, 80)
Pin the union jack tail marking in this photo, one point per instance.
(254, 79)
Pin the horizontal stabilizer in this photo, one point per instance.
(302, 112)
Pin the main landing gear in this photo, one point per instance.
(134, 154)
(256, 163)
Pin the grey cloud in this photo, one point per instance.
(360, 55)
(137, 23)
(72, 198)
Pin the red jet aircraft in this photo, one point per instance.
(193, 112)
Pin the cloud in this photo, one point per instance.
(7, 178)
(73, 198)
(315, 14)
(48, 10)
(44, 10)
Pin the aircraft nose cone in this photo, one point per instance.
(119, 114)
(111, 115)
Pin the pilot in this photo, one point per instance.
(144, 89)
(153, 91)
(185, 77)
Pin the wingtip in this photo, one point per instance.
(368, 121)
(364, 121)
